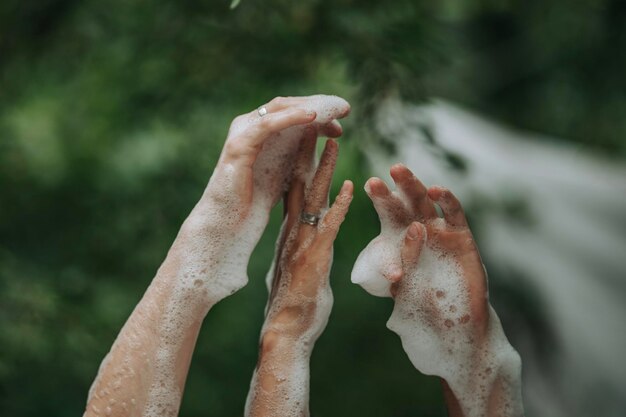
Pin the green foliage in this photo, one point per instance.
(112, 115)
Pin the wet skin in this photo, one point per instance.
(412, 208)
(300, 296)
(153, 350)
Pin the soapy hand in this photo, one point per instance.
(252, 174)
(251, 136)
(300, 296)
(432, 268)
(450, 237)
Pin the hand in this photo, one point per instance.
(253, 172)
(300, 296)
(146, 369)
(432, 269)
(450, 237)
(259, 150)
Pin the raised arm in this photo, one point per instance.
(432, 269)
(300, 296)
(144, 373)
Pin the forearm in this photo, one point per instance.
(148, 363)
(493, 388)
(280, 384)
(505, 397)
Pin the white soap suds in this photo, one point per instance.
(432, 316)
(211, 253)
(385, 248)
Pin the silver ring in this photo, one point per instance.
(262, 111)
(309, 218)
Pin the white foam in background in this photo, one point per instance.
(573, 250)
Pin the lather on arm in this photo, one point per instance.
(300, 297)
(432, 268)
(144, 373)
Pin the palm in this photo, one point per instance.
(459, 243)
(448, 237)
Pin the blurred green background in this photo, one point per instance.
(113, 114)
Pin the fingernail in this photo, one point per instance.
(434, 193)
(413, 232)
(311, 113)
(346, 187)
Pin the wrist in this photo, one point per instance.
(200, 271)
(210, 254)
(280, 384)
(209, 219)
(492, 387)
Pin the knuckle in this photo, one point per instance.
(265, 124)
(238, 148)
(278, 100)
(233, 148)
(303, 261)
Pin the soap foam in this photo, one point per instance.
(210, 261)
(441, 344)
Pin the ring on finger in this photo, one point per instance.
(262, 111)
(309, 218)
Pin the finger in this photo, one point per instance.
(275, 122)
(332, 129)
(329, 225)
(280, 103)
(294, 200)
(249, 142)
(305, 158)
(450, 206)
(414, 191)
(387, 204)
(317, 195)
(413, 243)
